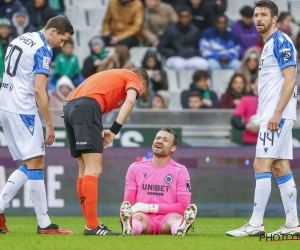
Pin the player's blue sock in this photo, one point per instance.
(37, 194)
(288, 193)
(14, 183)
(261, 197)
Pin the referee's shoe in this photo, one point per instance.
(101, 230)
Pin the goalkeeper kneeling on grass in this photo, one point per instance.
(158, 192)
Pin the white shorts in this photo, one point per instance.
(24, 135)
(275, 145)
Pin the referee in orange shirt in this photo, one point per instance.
(97, 95)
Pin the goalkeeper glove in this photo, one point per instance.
(145, 208)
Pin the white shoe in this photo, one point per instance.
(247, 230)
(283, 230)
(126, 218)
(187, 220)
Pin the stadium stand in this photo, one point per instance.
(283, 5)
(172, 80)
(295, 7)
(234, 6)
(137, 54)
(220, 79)
(185, 78)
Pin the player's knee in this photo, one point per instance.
(256, 167)
(35, 163)
(137, 217)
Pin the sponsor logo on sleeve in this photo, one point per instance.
(286, 56)
(46, 62)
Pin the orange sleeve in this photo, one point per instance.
(134, 83)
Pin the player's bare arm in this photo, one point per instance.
(287, 90)
(42, 101)
(124, 112)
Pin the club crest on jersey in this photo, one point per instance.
(188, 187)
(169, 179)
(120, 102)
(46, 62)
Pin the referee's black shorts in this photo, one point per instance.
(83, 121)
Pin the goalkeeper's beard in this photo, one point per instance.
(162, 153)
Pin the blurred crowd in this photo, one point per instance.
(179, 34)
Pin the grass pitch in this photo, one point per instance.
(209, 233)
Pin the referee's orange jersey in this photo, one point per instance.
(109, 88)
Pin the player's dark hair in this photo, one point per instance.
(142, 74)
(268, 4)
(196, 94)
(61, 23)
(200, 74)
(167, 129)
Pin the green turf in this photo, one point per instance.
(209, 233)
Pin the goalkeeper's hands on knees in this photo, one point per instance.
(145, 208)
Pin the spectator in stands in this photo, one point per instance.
(200, 84)
(203, 15)
(123, 23)
(245, 30)
(245, 115)
(161, 100)
(158, 16)
(57, 5)
(286, 24)
(21, 23)
(219, 46)
(96, 58)
(235, 91)
(195, 100)
(249, 65)
(63, 89)
(179, 44)
(39, 13)
(119, 60)
(66, 63)
(145, 100)
(9, 7)
(175, 3)
(297, 45)
(158, 77)
(5, 39)
(218, 6)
